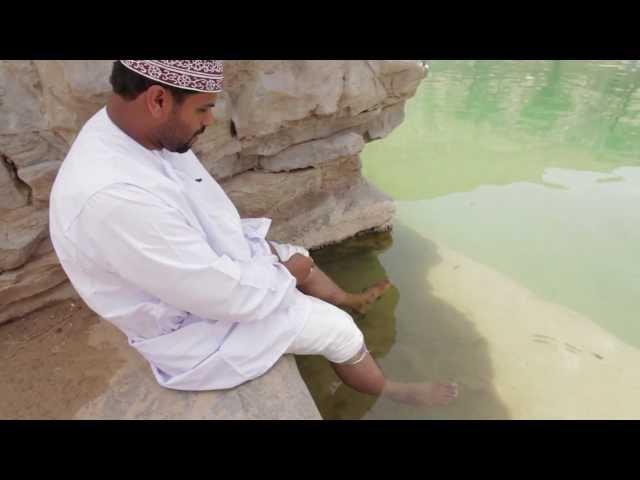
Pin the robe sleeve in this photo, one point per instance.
(255, 231)
(134, 234)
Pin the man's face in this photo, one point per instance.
(187, 121)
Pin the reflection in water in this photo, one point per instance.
(411, 333)
(513, 354)
(529, 167)
(573, 244)
(530, 171)
(478, 123)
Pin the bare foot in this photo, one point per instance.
(422, 394)
(361, 302)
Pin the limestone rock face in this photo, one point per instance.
(12, 193)
(285, 144)
(21, 98)
(41, 282)
(39, 178)
(314, 153)
(21, 231)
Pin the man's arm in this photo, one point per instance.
(153, 247)
(298, 265)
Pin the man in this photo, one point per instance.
(152, 243)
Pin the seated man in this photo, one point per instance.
(153, 244)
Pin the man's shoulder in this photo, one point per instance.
(96, 137)
(128, 194)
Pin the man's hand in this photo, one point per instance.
(299, 266)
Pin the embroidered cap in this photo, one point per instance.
(197, 75)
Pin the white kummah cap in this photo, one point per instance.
(197, 75)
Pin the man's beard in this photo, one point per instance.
(184, 147)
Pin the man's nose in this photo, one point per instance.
(208, 119)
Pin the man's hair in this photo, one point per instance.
(129, 84)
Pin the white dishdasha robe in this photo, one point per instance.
(153, 244)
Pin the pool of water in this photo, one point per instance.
(514, 253)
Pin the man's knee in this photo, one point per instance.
(358, 357)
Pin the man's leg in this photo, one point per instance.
(360, 372)
(331, 332)
(366, 377)
(319, 285)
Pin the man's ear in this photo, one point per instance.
(159, 102)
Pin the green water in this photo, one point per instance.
(411, 333)
(532, 168)
(529, 167)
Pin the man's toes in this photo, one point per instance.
(448, 392)
(379, 288)
(452, 391)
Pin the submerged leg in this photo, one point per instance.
(319, 285)
(332, 333)
(366, 377)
